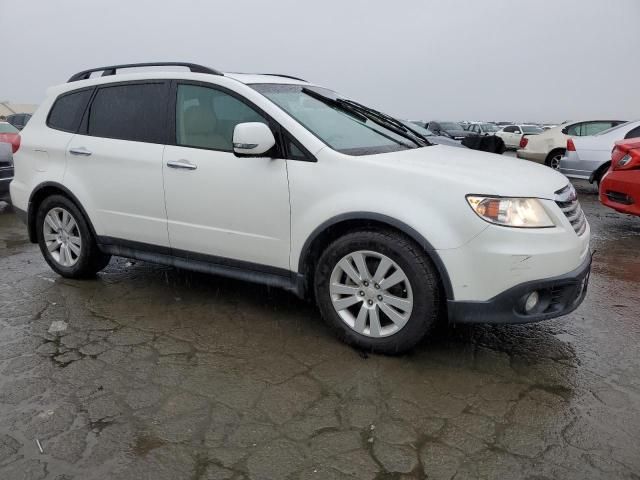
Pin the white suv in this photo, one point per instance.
(272, 179)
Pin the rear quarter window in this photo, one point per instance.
(66, 113)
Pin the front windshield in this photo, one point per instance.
(449, 126)
(342, 131)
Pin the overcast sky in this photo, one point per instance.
(543, 60)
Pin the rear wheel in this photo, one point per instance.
(377, 290)
(553, 159)
(66, 241)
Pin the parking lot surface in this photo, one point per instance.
(148, 372)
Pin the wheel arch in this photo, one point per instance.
(547, 160)
(42, 191)
(598, 173)
(339, 225)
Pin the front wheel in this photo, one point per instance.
(66, 241)
(378, 291)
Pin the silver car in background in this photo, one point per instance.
(589, 157)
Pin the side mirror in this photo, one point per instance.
(252, 138)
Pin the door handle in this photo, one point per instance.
(183, 163)
(80, 151)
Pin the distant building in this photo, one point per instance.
(8, 108)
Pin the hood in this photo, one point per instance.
(473, 172)
(442, 140)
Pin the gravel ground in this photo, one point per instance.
(149, 372)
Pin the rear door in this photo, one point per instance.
(114, 163)
(220, 205)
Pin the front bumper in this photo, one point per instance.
(4, 188)
(620, 190)
(558, 296)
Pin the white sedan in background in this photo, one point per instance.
(512, 134)
(589, 157)
(550, 146)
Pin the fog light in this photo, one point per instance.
(531, 302)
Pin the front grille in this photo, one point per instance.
(570, 206)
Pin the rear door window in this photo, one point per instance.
(67, 111)
(136, 112)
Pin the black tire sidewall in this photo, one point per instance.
(423, 285)
(83, 267)
(552, 154)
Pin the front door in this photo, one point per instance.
(219, 204)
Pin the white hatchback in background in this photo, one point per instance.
(550, 146)
(512, 134)
(272, 179)
(589, 157)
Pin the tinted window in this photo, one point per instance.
(532, 129)
(294, 152)
(633, 133)
(206, 117)
(510, 129)
(66, 113)
(134, 112)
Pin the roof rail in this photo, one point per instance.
(111, 70)
(280, 75)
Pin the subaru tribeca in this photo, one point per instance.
(272, 179)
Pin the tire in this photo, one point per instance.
(81, 257)
(553, 159)
(420, 288)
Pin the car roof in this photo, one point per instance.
(246, 78)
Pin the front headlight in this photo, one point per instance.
(511, 212)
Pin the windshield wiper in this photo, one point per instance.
(388, 122)
(363, 114)
(334, 103)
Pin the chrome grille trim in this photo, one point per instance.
(567, 200)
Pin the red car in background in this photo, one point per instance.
(620, 187)
(10, 134)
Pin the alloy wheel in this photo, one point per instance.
(371, 293)
(555, 161)
(62, 236)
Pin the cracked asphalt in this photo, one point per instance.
(150, 372)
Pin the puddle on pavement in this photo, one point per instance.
(145, 443)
